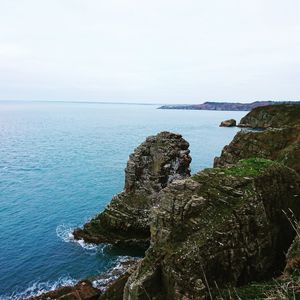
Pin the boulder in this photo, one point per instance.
(83, 290)
(223, 226)
(153, 166)
(228, 123)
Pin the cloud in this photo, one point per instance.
(149, 51)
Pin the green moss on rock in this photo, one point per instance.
(222, 225)
(248, 167)
(282, 145)
(275, 116)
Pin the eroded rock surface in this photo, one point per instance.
(280, 141)
(280, 144)
(222, 226)
(273, 116)
(153, 165)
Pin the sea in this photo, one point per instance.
(60, 164)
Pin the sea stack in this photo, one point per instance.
(151, 167)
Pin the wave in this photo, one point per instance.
(64, 232)
(103, 280)
(37, 288)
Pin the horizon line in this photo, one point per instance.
(145, 103)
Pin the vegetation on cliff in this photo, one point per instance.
(273, 116)
(280, 144)
(280, 141)
(221, 227)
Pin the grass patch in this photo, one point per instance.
(248, 167)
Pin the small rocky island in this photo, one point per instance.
(223, 233)
(228, 123)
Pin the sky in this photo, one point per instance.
(158, 51)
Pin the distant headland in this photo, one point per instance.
(232, 106)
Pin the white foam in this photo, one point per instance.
(37, 288)
(65, 233)
(111, 275)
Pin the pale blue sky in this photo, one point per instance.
(164, 51)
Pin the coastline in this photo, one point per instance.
(240, 173)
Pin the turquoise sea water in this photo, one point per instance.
(60, 164)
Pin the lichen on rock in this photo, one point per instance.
(222, 226)
(279, 141)
(280, 144)
(272, 116)
(153, 165)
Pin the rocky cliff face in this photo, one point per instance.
(273, 116)
(280, 144)
(221, 226)
(153, 166)
(280, 141)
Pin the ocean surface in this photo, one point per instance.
(60, 164)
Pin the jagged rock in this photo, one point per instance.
(153, 165)
(114, 290)
(228, 123)
(108, 285)
(275, 116)
(223, 226)
(106, 282)
(280, 144)
(81, 291)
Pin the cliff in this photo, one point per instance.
(274, 116)
(280, 142)
(153, 165)
(214, 233)
(226, 106)
(223, 226)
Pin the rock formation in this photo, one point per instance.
(153, 166)
(108, 285)
(81, 291)
(222, 226)
(114, 291)
(273, 116)
(228, 123)
(280, 142)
